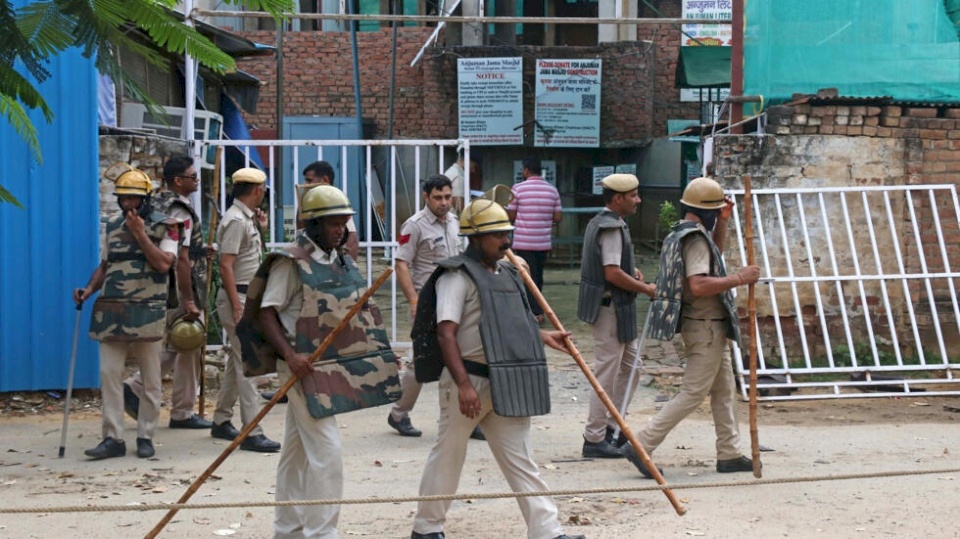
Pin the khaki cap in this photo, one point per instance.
(621, 183)
(249, 175)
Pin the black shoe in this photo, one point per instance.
(108, 448)
(224, 431)
(477, 434)
(192, 422)
(260, 444)
(631, 454)
(268, 395)
(403, 426)
(600, 450)
(145, 448)
(565, 536)
(436, 535)
(619, 441)
(740, 464)
(131, 402)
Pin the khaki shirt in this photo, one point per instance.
(238, 235)
(696, 261)
(284, 289)
(611, 247)
(425, 239)
(458, 301)
(178, 212)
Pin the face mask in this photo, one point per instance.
(708, 218)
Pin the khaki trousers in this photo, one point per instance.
(310, 468)
(614, 363)
(708, 372)
(410, 391)
(509, 441)
(234, 385)
(185, 367)
(113, 357)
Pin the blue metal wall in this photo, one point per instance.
(50, 247)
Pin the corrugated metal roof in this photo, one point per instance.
(50, 247)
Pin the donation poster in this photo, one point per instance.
(568, 103)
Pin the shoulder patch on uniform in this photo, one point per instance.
(404, 239)
(173, 233)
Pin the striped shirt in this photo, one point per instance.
(535, 203)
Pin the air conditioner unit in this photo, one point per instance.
(206, 126)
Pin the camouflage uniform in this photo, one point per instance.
(237, 235)
(299, 287)
(612, 315)
(129, 319)
(183, 365)
(705, 323)
(424, 240)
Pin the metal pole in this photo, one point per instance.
(73, 367)
(736, 70)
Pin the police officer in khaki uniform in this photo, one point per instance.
(181, 179)
(137, 249)
(241, 248)
(322, 173)
(692, 270)
(428, 236)
(609, 284)
(311, 464)
(475, 383)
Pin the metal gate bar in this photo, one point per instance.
(845, 340)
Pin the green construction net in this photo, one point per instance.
(907, 49)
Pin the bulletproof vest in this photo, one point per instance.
(666, 308)
(359, 369)
(519, 383)
(133, 302)
(594, 286)
(163, 201)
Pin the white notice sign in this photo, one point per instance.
(599, 173)
(490, 92)
(568, 103)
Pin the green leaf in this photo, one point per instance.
(17, 116)
(5, 196)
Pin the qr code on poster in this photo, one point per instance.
(588, 102)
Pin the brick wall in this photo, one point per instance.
(848, 145)
(318, 80)
(665, 41)
(147, 153)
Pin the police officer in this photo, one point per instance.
(181, 179)
(137, 249)
(241, 248)
(478, 305)
(296, 311)
(609, 284)
(322, 173)
(694, 296)
(428, 236)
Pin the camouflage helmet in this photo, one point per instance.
(704, 194)
(129, 180)
(482, 216)
(185, 335)
(324, 201)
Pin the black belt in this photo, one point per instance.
(606, 302)
(242, 288)
(476, 369)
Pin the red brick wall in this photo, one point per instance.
(318, 80)
(666, 41)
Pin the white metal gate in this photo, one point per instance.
(857, 291)
(390, 176)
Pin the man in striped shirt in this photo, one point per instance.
(534, 211)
